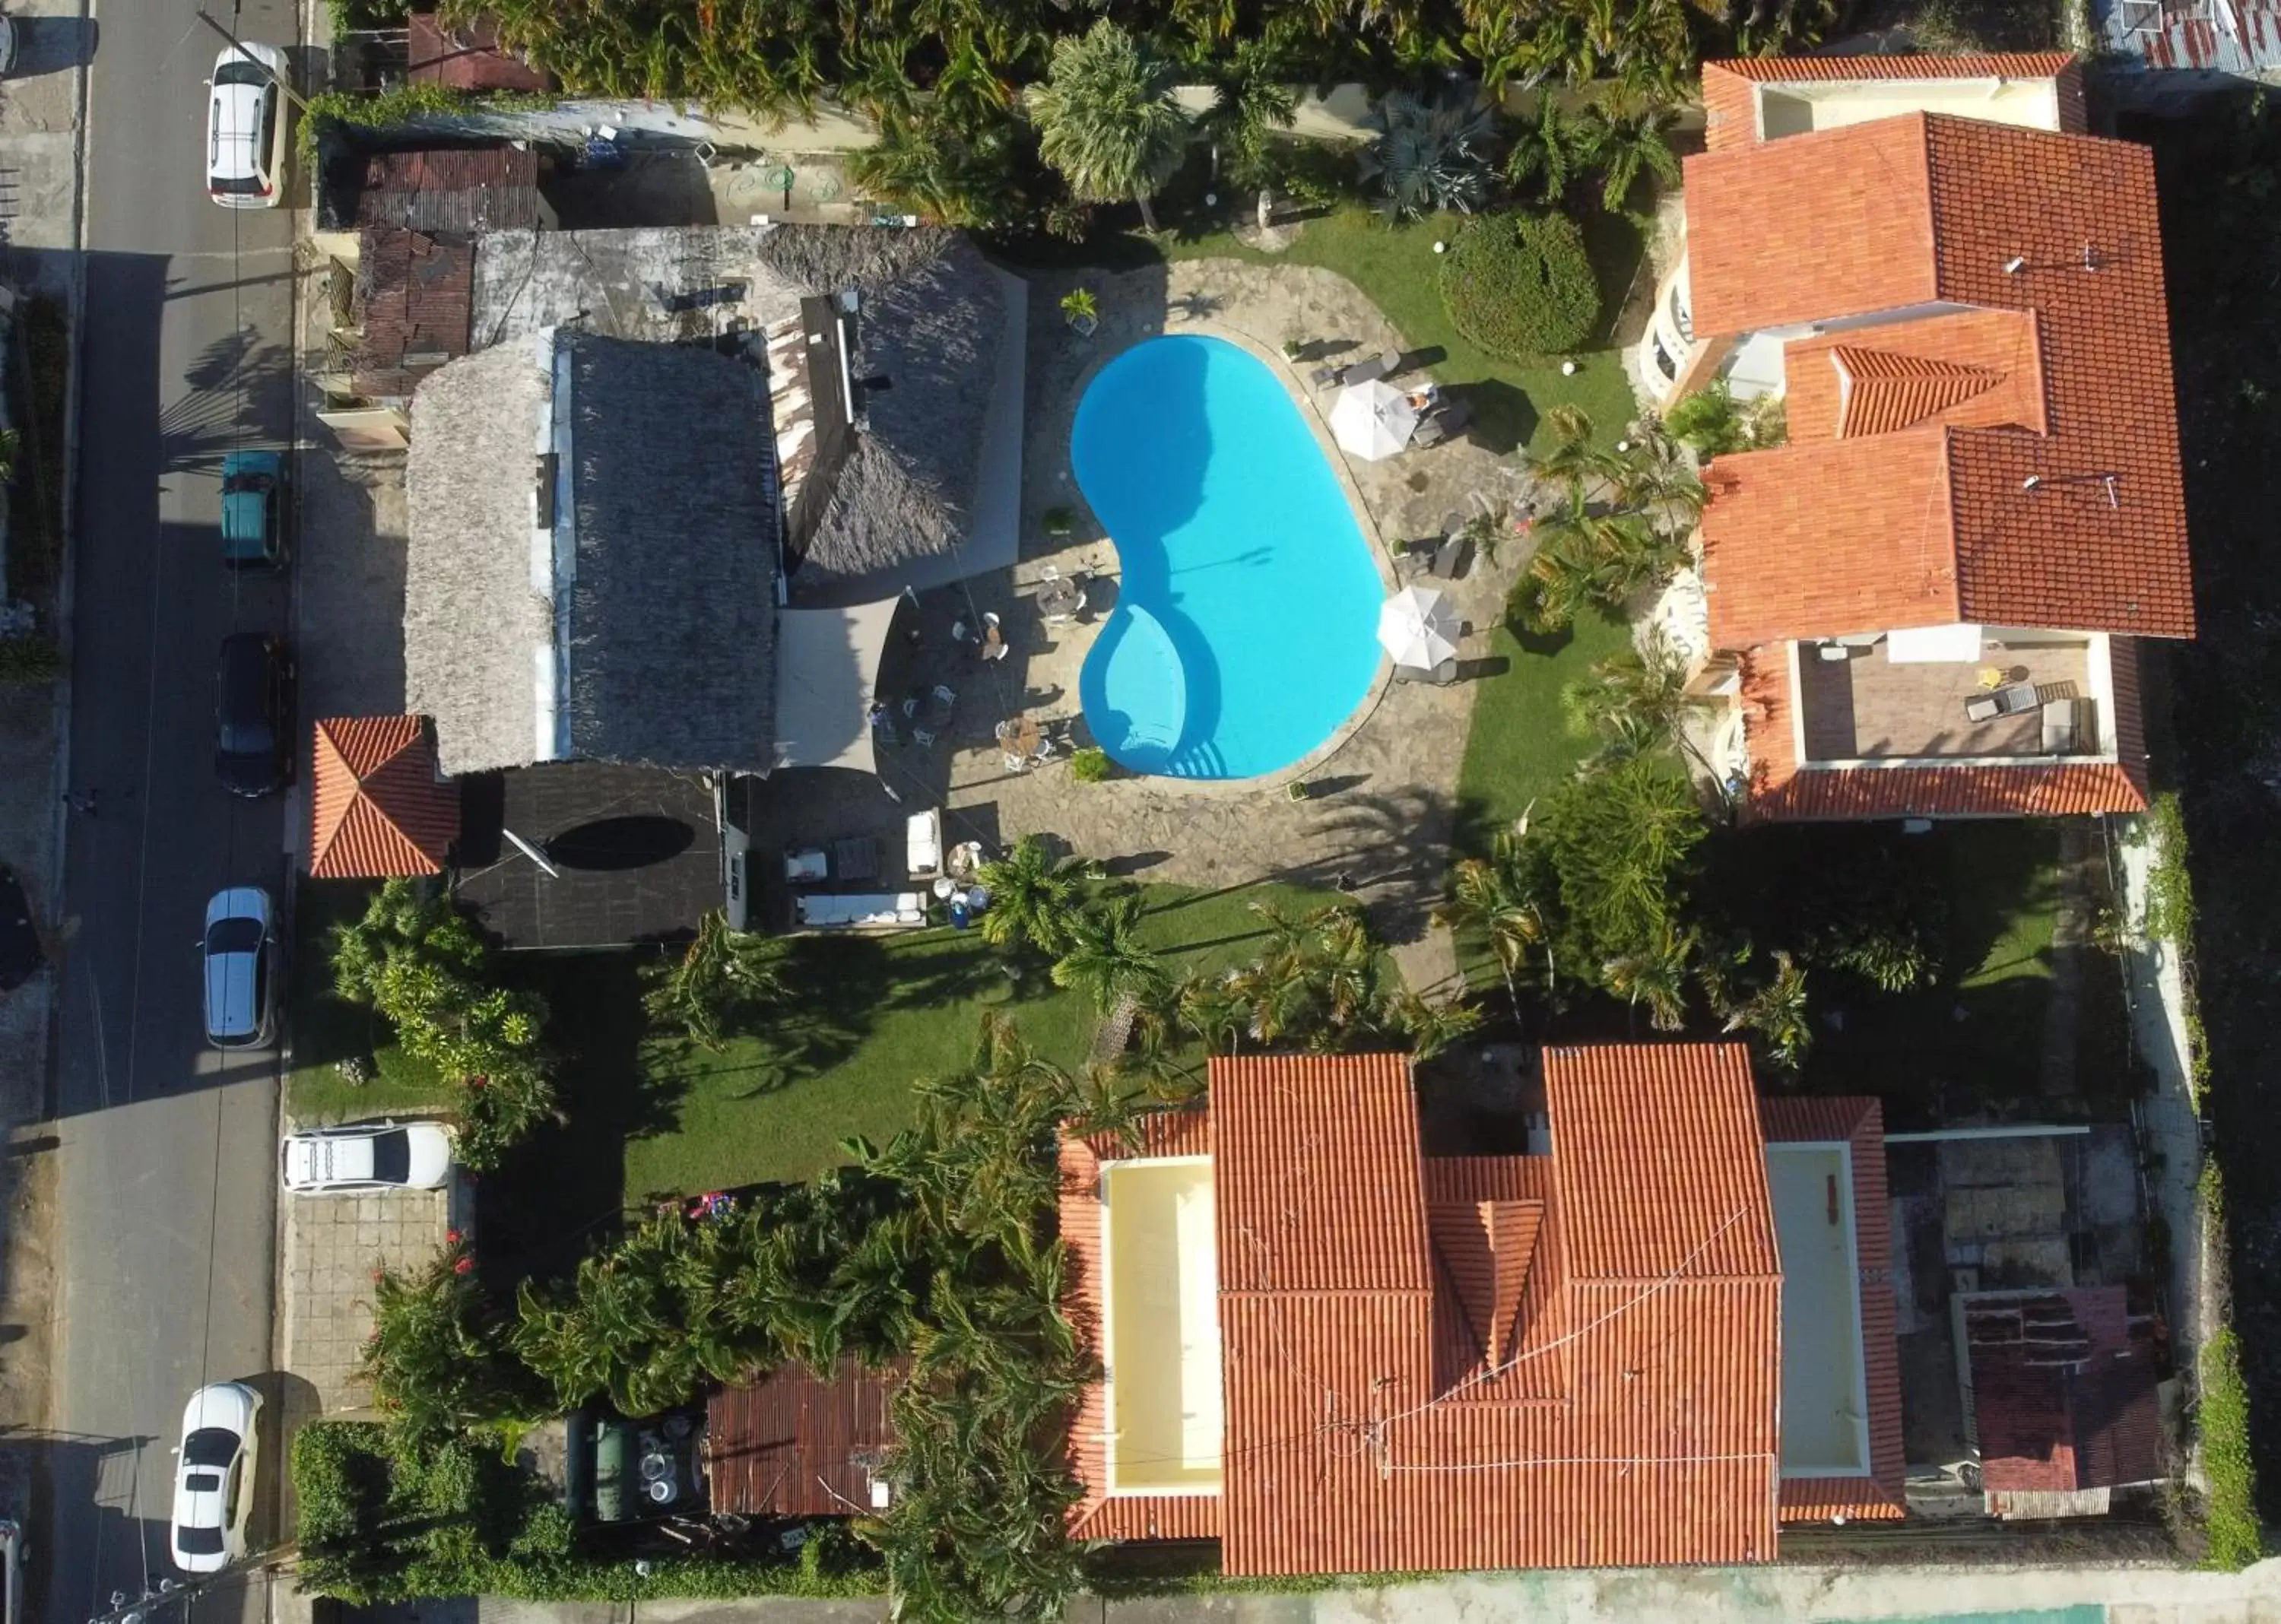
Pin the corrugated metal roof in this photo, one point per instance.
(790, 1445)
(2062, 1390)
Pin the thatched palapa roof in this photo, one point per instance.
(927, 494)
(643, 634)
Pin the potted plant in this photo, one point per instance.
(1081, 311)
(1090, 765)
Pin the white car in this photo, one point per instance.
(240, 950)
(213, 1477)
(365, 1156)
(245, 127)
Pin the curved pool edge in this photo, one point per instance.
(1365, 519)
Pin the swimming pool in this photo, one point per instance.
(1245, 630)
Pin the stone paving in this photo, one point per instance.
(1382, 801)
(332, 1246)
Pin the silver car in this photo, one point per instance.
(240, 950)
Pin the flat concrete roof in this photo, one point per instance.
(1160, 1311)
(1825, 1404)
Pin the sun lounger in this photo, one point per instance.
(1369, 371)
(861, 910)
(922, 844)
(1451, 559)
(1442, 675)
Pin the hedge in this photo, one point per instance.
(1520, 285)
(381, 1521)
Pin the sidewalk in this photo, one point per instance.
(39, 236)
(1793, 1594)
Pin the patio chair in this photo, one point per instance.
(1451, 559)
(1428, 433)
(1016, 763)
(1322, 377)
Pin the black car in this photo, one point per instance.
(253, 716)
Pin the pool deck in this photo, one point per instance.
(1378, 817)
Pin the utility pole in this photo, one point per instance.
(291, 95)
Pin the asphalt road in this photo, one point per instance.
(167, 1229)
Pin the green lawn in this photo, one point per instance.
(1396, 267)
(884, 1012)
(1522, 740)
(325, 1030)
(874, 1014)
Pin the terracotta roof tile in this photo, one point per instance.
(1881, 1496)
(465, 58)
(1657, 1153)
(2081, 526)
(1782, 790)
(2062, 1390)
(415, 298)
(376, 805)
(1998, 348)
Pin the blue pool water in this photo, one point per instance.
(1246, 625)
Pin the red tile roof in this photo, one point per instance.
(1974, 370)
(376, 807)
(1782, 790)
(1633, 1418)
(2062, 1390)
(1881, 1496)
(416, 297)
(1947, 520)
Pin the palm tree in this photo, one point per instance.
(961, 173)
(1654, 972)
(1637, 702)
(1251, 99)
(1432, 1028)
(1498, 895)
(1778, 1012)
(1655, 480)
(1034, 896)
(1429, 157)
(1106, 117)
(722, 976)
(1552, 149)
(1106, 958)
(1629, 135)
(1570, 458)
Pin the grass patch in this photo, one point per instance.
(327, 1029)
(877, 1014)
(1396, 268)
(1522, 741)
(2229, 1520)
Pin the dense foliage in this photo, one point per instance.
(1430, 155)
(1713, 423)
(1520, 285)
(1106, 117)
(437, 1357)
(385, 1516)
(420, 963)
(1617, 530)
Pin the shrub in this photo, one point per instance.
(1521, 285)
(1090, 765)
(2169, 886)
(30, 657)
(437, 1359)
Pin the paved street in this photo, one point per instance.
(168, 1211)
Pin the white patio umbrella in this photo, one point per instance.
(1372, 421)
(1419, 627)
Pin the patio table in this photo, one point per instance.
(1060, 598)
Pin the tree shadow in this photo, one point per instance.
(1503, 415)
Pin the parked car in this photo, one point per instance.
(362, 1156)
(214, 1476)
(245, 127)
(252, 506)
(253, 715)
(9, 37)
(240, 950)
